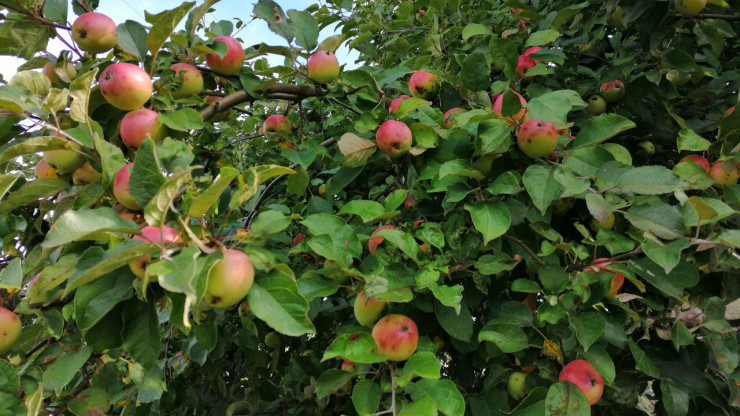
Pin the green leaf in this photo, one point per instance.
(273, 14)
(64, 369)
(356, 150)
(477, 72)
(506, 183)
(359, 348)
(33, 81)
(642, 361)
(96, 262)
(475, 29)
(210, 196)
(507, 337)
(443, 393)
(404, 241)
(566, 399)
(140, 332)
(541, 185)
(93, 401)
(11, 276)
(601, 128)
(306, 28)
(491, 218)
(155, 212)
(688, 140)
(270, 222)
(184, 119)
(542, 37)
(649, 180)
(525, 286)
(80, 89)
(186, 273)
(589, 327)
(489, 264)
(274, 298)
(163, 25)
(664, 221)
(131, 37)
(667, 254)
(331, 381)
(366, 397)
(458, 324)
(31, 192)
(421, 364)
(554, 106)
(602, 362)
(683, 276)
(459, 167)
(367, 210)
(111, 156)
(87, 224)
(94, 300)
(146, 174)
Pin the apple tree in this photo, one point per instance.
(495, 208)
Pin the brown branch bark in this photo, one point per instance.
(40, 19)
(277, 91)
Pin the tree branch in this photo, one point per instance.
(526, 248)
(728, 17)
(40, 19)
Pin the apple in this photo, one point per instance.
(531, 50)
(607, 224)
(85, 174)
(729, 111)
(367, 310)
(524, 63)
(562, 206)
(157, 235)
(220, 115)
(596, 105)
(94, 32)
(537, 138)
(424, 85)
(323, 67)
(44, 171)
(601, 265)
(139, 125)
(408, 203)
(232, 62)
(396, 102)
(396, 337)
(520, 117)
(121, 188)
(449, 116)
(348, 366)
(701, 161)
(374, 242)
(277, 126)
(517, 385)
(125, 86)
(65, 161)
(690, 7)
(10, 329)
(677, 77)
(584, 375)
(50, 70)
(612, 91)
(394, 138)
(322, 189)
(192, 80)
(298, 238)
(723, 173)
(615, 18)
(272, 340)
(230, 279)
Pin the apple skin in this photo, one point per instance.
(230, 279)
(449, 116)
(374, 242)
(220, 115)
(138, 125)
(612, 91)
(584, 375)
(537, 138)
(94, 32)
(298, 238)
(523, 64)
(396, 336)
(367, 310)
(192, 80)
(85, 174)
(520, 117)
(121, 188)
(44, 171)
(596, 105)
(10, 329)
(601, 265)
(424, 85)
(729, 111)
(516, 385)
(323, 67)
(125, 86)
(272, 340)
(277, 126)
(157, 235)
(647, 147)
(690, 7)
(531, 50)
(607, 224)
(348, 366)
(701, 161)
(232, 62)
(722, 175)
(65, 161)
(394, 138)
(393, 107)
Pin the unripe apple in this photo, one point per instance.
(277, 126)
(85, 174)
(677, 77)
(394, 138)
(607, 224)
(272, 340)
(516, 385)
(94, 32)
(50, 70)
(524, 63)
(424, 85)
(537, 138)
(584, 375)
(232, 62)
(612, 91)
(157, 235)
(562, 206)
(615, 18)
(690, 7)
(10, 329)
(367, 310)
(596, 105)
(125, 86)
(65, 161)
(44, 171)
(531, 50)
(484, 164)
(348, 366)
(230, 279)
(396, 336)
(723, 173)
(192, 80)
(222, 115)
(141, 124)
(601, 265)
(374, 242)
(121, 188)
(520, 117)
(322, 189)
(449, 116)
(701, 161)
(646, 148)
(323, 67)
(396, 102)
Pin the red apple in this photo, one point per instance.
(44, 171)
(121, 188)
(523, 64)
(520, 117)
(396, 337)
(601, 265)
(729, 110)
(701, 161)
(141, 124)
(10, 329)
(125, 86)
(367, 310)
(394, 138)
(323, 67)
(298, 238)
(277, 126)
(531, 50)
(220, 115)
(192, 80)
(157, 235)
(451, 113)
(723, 173)
(232, 62)
(94, 32)
(348, 366)
(85, 174)
(537, 138)
(374, 242)
(612, 91)
(582, 374)
(230, 279)
(393, 107)
(424, 85)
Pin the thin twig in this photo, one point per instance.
(728, 17)
(526, 248)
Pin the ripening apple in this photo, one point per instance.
(396, 336)
(230, 279)
(139, 125)
(584, 375)
(690, 7)
(348, 366)
(449, 116)
(396, 102)
(531, 50)
(374, 242)
(601, 265)
(323, 67)
(367, 310)
(121, 188)
(612, 91)
(94, 32)
(277, 126)
(192, 80)
(10, 329)
(157, 235)
(232, 62)
(85, 174)
(607, 224)
(516, 385)
(524, 63)
(595, 105)
(222, 115)
(394, 138)
(537, 138)
(520, 117)
(723, 173)
(424, 85)
(125, 86)
(298, 238)
(729, 111)
(65, 161)
(699, 160)
(44, 171)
